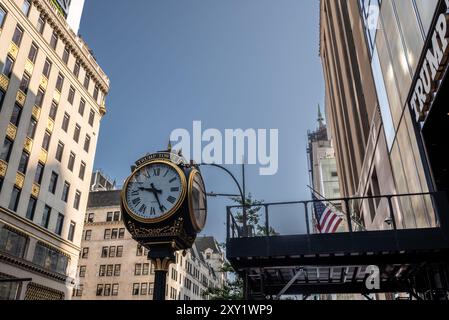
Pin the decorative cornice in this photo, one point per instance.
(80, 49)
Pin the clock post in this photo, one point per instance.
(164, 207)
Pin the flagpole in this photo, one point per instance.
(324, 199)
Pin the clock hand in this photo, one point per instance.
(155, 192)
(151, 190)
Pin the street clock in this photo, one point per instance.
(164, 201)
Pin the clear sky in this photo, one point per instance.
(228, 63)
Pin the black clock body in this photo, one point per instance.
(178, 229)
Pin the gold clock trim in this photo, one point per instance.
(190, 198)
(175, 207)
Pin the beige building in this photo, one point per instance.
(52, 99)
(114, 266)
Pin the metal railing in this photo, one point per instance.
(358, 214)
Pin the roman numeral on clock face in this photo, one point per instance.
(171, 199)
(152, 211)
(135, 193)
(143, 208)
(176, 189)
(172, 180)
(136, 201)
(157, 172)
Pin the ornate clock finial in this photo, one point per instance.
(169, 148)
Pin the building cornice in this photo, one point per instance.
(79, 48)
(30, 224)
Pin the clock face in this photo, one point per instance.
(198, 201)
(155, 191)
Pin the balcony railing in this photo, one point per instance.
(358, 214)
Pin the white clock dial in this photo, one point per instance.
(154, 190)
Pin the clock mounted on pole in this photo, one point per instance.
(164, 206)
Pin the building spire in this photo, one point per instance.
(320, 117)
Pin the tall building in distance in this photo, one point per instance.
(384, 119)
(52, 99)
(114, 266)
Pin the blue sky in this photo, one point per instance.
(228, 63)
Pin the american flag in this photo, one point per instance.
(328, 220)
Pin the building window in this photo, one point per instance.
(107, 290)
(88, 235)
(76, 134)
(139, 251)
(47, 68)
(78, 291)
(99, 290)
(53, 182)
(85, 253)
(76, 69)
(138, 269)
(17, 36)
(119, 253)
(6, 149)
(102, 271)
(71, 96)
(82, 107)
(23, 164)
(109, 217)
(82, 272)
(107, 234)
(39, 173)
(87, 143)
(76, 203)
(12, 242)
(26, 7)
(60, 82)
(46, 217)
(50, 259)
(65, 122)
(115, 287)
(71, 161)
(65, 191)
(24, 83)
(114, 233)
(2, 96)
(121, 233)
(66, 55)
(33, 53)
(59, 224)
(31, 209)
(105, 252)
(72, 229)
(91, 117)
(40, 26)
(16, 114)
(144, 289)
(46, 141)
(112, 252)
(2, 16)
(59, 151)
(54, 40)
(53, 111)
(96, 91)
(14, 200)
(136, 287)
(31, 132)
(87, 81)
(117, 216)
(109, 270)
(7, 68)
(90, 218)
(145, 269)
(39, 98)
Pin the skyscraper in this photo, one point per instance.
(52, 99)
(384, 120)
